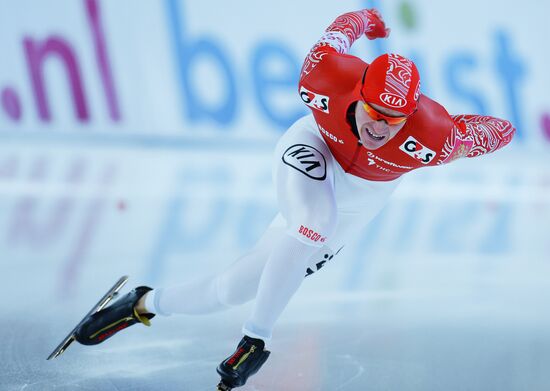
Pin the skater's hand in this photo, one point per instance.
(376, 27)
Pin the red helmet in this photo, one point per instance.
(392, 81)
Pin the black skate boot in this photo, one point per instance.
(107, 322)
(245, 362)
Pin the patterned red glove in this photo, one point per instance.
(376, 28)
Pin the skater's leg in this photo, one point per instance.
(235, 285)
(281, 278)
(304, 178)
(238, 284)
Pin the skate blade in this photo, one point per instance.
(110, 295)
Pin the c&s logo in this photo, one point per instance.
(414, 148)
(313, 100)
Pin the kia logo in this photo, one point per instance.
(393, 100)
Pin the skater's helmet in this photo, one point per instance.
(393, 82)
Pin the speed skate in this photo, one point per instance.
(70, 338)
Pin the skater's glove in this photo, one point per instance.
(376, 27)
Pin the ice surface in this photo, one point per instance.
(346, 342)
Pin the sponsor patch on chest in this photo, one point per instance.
(417, 150)
(307, 160)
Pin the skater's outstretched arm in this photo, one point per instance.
(475, 135)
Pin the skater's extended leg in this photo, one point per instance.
(235, 285)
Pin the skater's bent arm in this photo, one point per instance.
(342, 33)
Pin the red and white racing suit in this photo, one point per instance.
(328, 185)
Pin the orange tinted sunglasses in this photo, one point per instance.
(378, 116)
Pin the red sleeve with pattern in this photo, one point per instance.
(340, 35)
(475, 135)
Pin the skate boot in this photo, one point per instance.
(245, 362)
(118, 316)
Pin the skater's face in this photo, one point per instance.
(376, 124)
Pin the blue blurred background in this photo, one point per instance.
(136, 138)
